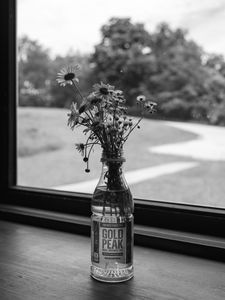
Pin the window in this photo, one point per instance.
(190, 152)
(149, 213)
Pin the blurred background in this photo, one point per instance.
(170, 51)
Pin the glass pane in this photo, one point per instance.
(174, 56)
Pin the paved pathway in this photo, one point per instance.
(209, 145)
(132, 177)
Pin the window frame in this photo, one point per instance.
(151, 214)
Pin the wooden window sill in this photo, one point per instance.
(38, 263)
(166, 239)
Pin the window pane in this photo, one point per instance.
(174, 56)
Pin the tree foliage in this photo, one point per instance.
(120, 59)
(166, 66)
(37, 75)
(34, 72)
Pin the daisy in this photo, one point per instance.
(67, 75)
(103, 91)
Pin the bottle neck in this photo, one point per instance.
(112, 173)
(113, 157)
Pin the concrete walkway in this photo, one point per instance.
(132, 177)
(210, 145)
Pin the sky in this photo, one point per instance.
(64, 26)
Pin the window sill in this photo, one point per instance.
(38, 263)
(160, 238)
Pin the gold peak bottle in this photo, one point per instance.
(112, 223)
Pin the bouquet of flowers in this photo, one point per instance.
(103, 115)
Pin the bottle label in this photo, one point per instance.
(111, 242)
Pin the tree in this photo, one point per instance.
(187, 82)
(164, 65)
(34, 71)
(187, 87)
(121, 57)
(38, 71)
(216, 62)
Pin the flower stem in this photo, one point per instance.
(77, 89)
(126, 137)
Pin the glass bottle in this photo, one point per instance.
(112, 223)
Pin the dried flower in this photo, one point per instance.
(80, 148)
(150, 106)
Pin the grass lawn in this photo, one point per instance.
(47, 158)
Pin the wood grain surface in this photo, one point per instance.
(37, 263)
